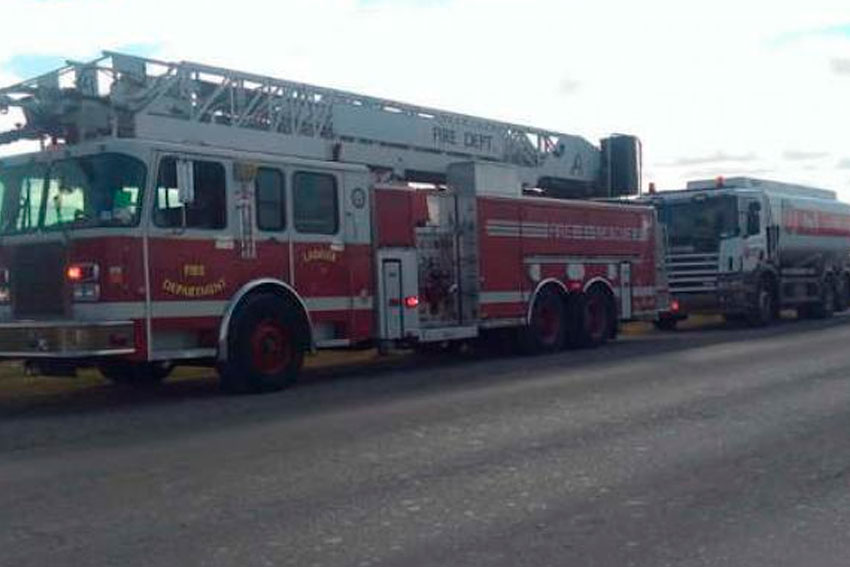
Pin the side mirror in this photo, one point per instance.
(185, 182)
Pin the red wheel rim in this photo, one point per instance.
(596, 317)
(271, 347)
(548, 321)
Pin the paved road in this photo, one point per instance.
(713, 447)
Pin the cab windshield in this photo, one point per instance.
(99, 190)
(698, 225)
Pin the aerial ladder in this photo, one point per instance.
(119, 95)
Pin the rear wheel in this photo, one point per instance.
(842, 294)
(136, 374)
(266, 343)
(665, 324)
(596, 318)
(546, 331)
(825, 308)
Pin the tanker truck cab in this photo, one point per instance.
(705, 234)
(745, 259)
(747, 248)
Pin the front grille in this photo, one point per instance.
(692, 273)
(37, 281)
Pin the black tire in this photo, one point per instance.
(135, 374)
(764, 311)
(546, 331)
(595, 318)
(266, 343)
(440, 347)
(825, 308)
(666, 324)
(842, 294)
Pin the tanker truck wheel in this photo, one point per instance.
(265, 346)
(765, 309)
(842, 294)
(825, 308)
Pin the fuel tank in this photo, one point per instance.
(810, 230)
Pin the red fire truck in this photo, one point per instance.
(181, 213)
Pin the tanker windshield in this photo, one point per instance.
(91, 191)
(699, 225)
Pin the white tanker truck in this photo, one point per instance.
(748, 248)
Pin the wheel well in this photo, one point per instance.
(550, 283)
(604, 288)
(271, 287)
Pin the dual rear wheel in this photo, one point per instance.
(829, 303)
(559, 320)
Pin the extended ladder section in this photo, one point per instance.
(128, 96)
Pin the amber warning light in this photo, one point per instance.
(75, 273)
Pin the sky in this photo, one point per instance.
(712, 88)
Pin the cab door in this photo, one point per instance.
(754, 233)
(192, 252)
(273, 242)
(320, 263)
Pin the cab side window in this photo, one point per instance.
(315, 203)
(208, 210)
(270, 191)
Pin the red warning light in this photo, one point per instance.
(74, 273)
(674, 306)
(411, 301)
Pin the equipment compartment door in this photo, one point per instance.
(625, 290)
(437, 247)
(391, 309)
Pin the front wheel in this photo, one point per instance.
(764, 311)
(266, 343)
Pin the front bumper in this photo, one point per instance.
(735, 293)
(697, 303)
(66, 339)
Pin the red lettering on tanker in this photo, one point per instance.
(815, 223)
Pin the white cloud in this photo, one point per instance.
(688, 78)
